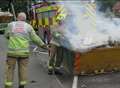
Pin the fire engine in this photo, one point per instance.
(98, 60)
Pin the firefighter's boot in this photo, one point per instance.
(58, 71)
(50, 70)
(21, 86)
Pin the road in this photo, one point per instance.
(38, 77)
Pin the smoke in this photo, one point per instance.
(87, 28)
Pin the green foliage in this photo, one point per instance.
(20, 6)
(105, 4)
(108, 3)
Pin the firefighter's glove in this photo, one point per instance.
(45, 46)
(56, 34)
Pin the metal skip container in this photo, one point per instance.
(97, 61)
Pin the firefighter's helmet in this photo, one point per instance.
(61, 17)
(62, 13)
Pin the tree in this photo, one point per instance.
(107, 4)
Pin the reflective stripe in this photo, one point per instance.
(60, 9)
(8, 83)
(46, 21)
(33, 23)
(23, 82)
(39, 19)
(91, 7)
(40, 22)
(91, 13)
(62, 13)
(24, 49)
(47, 8)
(43, 9)
(50, 67)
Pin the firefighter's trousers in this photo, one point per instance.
(10, 68)
(56, 57)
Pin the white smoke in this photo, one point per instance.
(84, 32)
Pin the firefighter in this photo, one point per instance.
(19, 34)
(56, 50)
